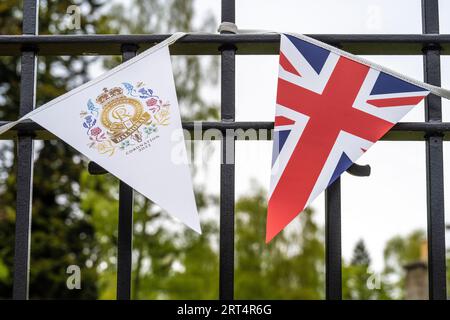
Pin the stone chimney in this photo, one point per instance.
(416, 280)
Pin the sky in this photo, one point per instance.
(392, 201)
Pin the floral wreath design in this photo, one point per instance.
(137, 126)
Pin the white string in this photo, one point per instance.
(228, 27)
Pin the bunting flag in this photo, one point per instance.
(331, 107)
(128, 121)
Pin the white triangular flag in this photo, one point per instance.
(128, 122)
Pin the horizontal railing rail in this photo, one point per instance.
(402, 131)
(209, 44)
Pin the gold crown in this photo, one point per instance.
(109, 95)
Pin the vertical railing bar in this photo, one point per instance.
(434, 160)
(226, 257)
(333, 254)
(125, 233)
(333, 242)
(25, 158)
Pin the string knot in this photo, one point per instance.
(229, 27)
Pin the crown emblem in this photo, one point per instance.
(108, 96)
(121, 115)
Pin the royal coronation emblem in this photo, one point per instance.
(124, 118)
(128, 122)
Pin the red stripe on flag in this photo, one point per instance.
(395, 102)
(283, 121)
(284, 62)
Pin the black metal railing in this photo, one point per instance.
(433, 131)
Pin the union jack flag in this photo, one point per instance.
(330, 110)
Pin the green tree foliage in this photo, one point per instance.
(290, 267)
(191, 73)
(359, 282)
(168, 262)
(74, 214)
(360, 254)
(199, 274)
(399, 252)
(62, 234)
(162, 266)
